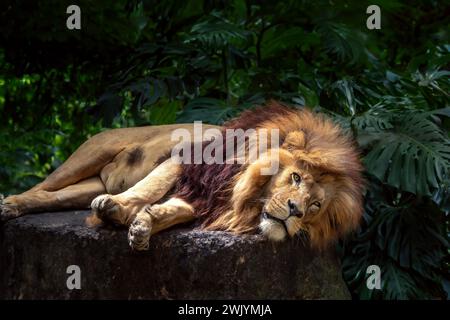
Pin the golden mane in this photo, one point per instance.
(227, 196)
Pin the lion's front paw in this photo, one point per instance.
(106, 208)
(140, 231)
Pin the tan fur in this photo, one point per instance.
(117, 173)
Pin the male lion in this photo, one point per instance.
(128, 178)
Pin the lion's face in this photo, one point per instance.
(317, 189)
(296, 197)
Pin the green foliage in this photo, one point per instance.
(146, 62)
(407, 151)
(405, 236)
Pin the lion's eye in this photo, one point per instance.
(296, 177)
(316, 204)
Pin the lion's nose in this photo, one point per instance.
(293, 209)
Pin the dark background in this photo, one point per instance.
(154, 62)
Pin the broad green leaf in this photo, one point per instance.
(414, 150)
(208, 110)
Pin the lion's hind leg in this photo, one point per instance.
(76, 196)
(155, 218)
(121, 208)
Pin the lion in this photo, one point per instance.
(127, 177)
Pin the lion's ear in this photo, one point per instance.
(295, 140)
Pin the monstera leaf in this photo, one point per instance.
(208, 110)
(345, 43)
(409, 152)
(404, 236)
(397, 284)
(216, 32)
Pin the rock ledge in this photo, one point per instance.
(36, 250)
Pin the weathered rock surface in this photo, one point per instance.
(36, 250)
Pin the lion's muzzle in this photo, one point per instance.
(294, 210)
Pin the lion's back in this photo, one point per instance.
(147, 148)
